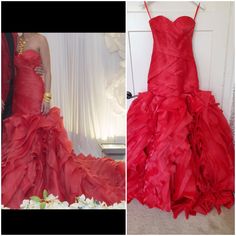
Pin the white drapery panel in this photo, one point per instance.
(83, 69)
(115, 89)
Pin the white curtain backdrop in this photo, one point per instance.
(85, 75)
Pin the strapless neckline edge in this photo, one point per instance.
(172, 21)
(28, 50)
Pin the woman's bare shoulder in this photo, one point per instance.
(41, 38)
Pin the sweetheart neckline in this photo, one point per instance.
(172, 21)
(17, 54)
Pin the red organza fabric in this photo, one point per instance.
(180, 147)
(37, 154)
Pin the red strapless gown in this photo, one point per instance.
(37, 154)
(180, 147)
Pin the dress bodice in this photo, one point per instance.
(172, 69)
(29, 58)
(174, 37)
(180, 151)
(28, 85)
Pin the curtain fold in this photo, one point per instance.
(82, 68)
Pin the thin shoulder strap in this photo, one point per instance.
(146, 6)
(196, 11)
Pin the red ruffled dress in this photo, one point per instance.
(180, 146)
(37, 154)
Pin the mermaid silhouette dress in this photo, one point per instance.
(37, 154)
(180, 146)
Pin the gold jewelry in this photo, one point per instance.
(46, 100)
(47, 94)
(21, 44)
(47, 97)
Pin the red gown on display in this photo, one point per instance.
(37, 154)
(180, 146)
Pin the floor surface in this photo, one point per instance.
(142, 220)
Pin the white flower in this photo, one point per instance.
(81, 204)
(120, 205)
(34, 205)
(51, 197)
(52, 205)
(90, 203)
(52, 202)
(65, 204)
(3, 207)
(104, 204)
(81, 198)
(75, 205)
(86, 207)
(25, 204)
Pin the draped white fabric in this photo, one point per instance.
(83, 70)
(116, 43)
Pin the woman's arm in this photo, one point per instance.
(45, 57)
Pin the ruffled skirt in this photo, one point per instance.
(37, 155)
(180, 153)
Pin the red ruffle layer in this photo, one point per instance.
(180, 153)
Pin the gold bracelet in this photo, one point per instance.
(46, 100)
(47, 97)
